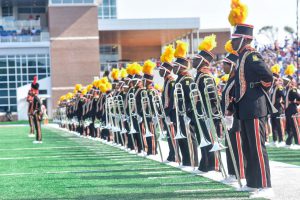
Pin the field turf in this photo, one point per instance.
(68, 167)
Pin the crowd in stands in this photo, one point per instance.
(23, 32)
(272, 54)
(20, 31)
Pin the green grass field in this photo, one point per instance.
(284, 155)
(14, 122)
(68, 167)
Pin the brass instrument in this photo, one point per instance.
(179, 98)
(117, 119)
(196, 99)
(122, 114)
(211, 95)
(133, 113)
(161, 116)
(147, 113)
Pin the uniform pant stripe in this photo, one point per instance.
(297, 129)
(260, 154)
(240, 153)
(144, 138)
(153, 140)
(173, 134)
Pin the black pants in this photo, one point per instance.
(171, 156)
(151, 141)
(105, 134)
(236, 142)
(183, 144)
(37, 125)
(137, 137)
(92, 130)
(129, 136)
(257, 162)
(292, 128)
(208, 160)
(277, 128)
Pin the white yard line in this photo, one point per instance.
(12, 125)
(185, 183)
(169, 177)
(201, 190)
(160, 172)
(43, 148)
(38, 157)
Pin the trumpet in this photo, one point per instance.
(179, 98)
(147, 112)
(211, 96)
(196, 101)
(161, 115)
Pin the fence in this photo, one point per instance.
(44, 36)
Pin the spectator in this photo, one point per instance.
(33, 31)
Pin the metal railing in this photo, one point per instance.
(73, 2)
(44, 36)
(12, 24)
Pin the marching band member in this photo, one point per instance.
(168, 99)
(252, 81)
(29, 100)
(148, 124)
(105, 88)
(229, 67)
(277, 98)
(79, 107)
(93, 108)
(180, 68)
(292, 100)
(135, 86)
(115, 74)
(127, 90)
(201, 62)
(37, 113)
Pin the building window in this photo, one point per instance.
(17, 71)
(7, 11)
(109, 53)
(72, 2)
(108, 9)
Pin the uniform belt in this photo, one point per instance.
(254, 84)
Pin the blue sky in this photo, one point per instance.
(212, 13)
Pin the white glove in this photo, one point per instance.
(229, 121)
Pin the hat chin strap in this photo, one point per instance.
(231, 68)
(199, 64)
(178, 69)
(240, 45)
